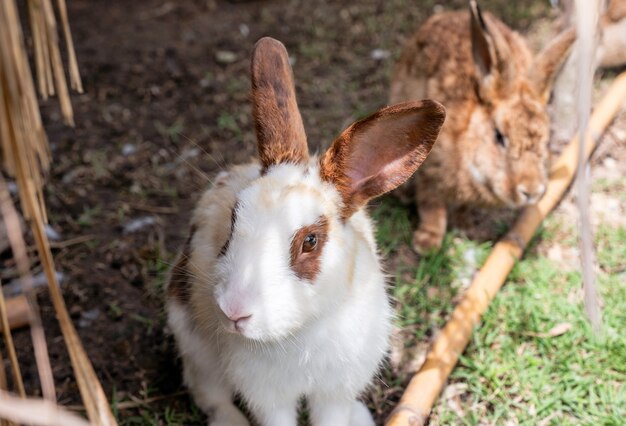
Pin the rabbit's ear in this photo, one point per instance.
(483, 48)
(277, 120)
(380, 152)
(490, 52)
(548, 62)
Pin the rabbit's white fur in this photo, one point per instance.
(324, 339)
(278, 293)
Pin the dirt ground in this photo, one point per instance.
(165, 107)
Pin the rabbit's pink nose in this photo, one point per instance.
(529, 195)
(239, 320)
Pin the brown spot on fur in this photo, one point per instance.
(616, 10)
(179, 287)
(277, 120)
(306, 265)
(233, 219)
(380, 152)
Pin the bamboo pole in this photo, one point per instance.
(18, 246)
(36, 412)
(424, 388)
(18, 312)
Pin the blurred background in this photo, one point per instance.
(166, 105)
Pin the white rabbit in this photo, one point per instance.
(279, 292)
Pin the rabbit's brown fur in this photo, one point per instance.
(485, 75)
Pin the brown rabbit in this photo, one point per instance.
(492, 150)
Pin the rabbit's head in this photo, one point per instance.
(297, 246)
(510, 126)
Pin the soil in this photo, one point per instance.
(166, 106)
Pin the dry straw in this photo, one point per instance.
(26, 157)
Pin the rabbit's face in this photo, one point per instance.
(510, 161)
(270, 276)
(509, 129)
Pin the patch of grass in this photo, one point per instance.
(158, 264)
(425, 289)
(227, 121)
(426, 292)
(393, 226)
(88, 216)
(516, 370)
(616, 187)
(612, 249)
(167, 417)
(171, 132)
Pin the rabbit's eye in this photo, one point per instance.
(500, 139)
(309, 243)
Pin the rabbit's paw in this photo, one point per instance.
(426, 241)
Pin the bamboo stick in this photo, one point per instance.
(18, 312)
(36, 412)
(14, 234)
(8, 339)
(424, 388)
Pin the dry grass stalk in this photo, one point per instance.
(50, 73)
(8, 339)
(36, 412)
(23, 135)
(426, 385)
(3, 386)
(586, 23)
(14, 233)
(75, 80)
(26, 157)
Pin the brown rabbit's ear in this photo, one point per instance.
(279, 129)
(548, 62)
(483, 48)
(489, 51)
(380, 152)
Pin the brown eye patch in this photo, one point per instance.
(307, 245)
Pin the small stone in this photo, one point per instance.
(128, 149)
(52, 233)
(138, 224)
(225, 57)
(244, 30)
(380, 54)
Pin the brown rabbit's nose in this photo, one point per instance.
(530, 195)
(239, 320)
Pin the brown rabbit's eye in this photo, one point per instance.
(500, 139)
(309, 243)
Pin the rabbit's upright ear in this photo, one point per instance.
(277, 120)
(377, 154)
(548, 62)
(490, 52)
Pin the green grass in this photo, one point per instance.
(514, 370)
